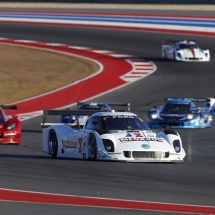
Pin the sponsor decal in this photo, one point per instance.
(124, 140)
(145, 146)
(123, 116)
(138, 135)
(69, 144)
(120, 116)
(80, 144)
(150, 135)
(128, 135)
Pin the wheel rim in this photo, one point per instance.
(92, 147)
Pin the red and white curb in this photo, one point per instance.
(140, 68)
(86, 201)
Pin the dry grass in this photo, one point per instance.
(26, 72)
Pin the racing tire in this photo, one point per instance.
(92, 147)
(165, 56)
(53, 144)
(174, 57)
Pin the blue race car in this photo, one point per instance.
(100, 106)
(182, 113)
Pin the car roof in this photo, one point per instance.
(114, 114)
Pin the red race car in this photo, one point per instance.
(10, 127)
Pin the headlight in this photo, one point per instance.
(177, 146)
(11, 126)
(108, 144)
(154, 116)
(190, 116)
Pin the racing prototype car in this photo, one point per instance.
(10, 127)
(185, 51)
(114, 136)
(91, 106)
(182, 113)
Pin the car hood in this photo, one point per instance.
(138, 141)
(193, 53)
(172, 115)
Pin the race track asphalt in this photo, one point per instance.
(26, 167)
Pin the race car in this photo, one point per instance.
(182, 113)
(186, 50)
(113, 136)
(10, 127)
(91, 106)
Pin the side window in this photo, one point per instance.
(92, 126)
(193, 107)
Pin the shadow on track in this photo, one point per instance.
(32, 131)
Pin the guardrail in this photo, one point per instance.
(121, 1)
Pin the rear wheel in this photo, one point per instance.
(53, 143)
(92, 147)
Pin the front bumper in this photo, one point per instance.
(191, 59)
(160, 156)
(10, 137)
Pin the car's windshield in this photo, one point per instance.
(188, 46)
(176, 107)
(124, 123)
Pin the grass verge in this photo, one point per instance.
(27, 72)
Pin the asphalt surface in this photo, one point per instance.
(26, 167)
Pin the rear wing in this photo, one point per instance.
(128, 105)
(75, 113)
(8, 107)
(173, 42)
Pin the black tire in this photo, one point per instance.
(174, 57)
(92, 147)
(165, 54)
(53, 144)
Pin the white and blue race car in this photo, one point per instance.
(182, 113)
(186, 50)
(113, 136)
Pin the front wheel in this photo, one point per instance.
(92, 147)
(53, 143)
